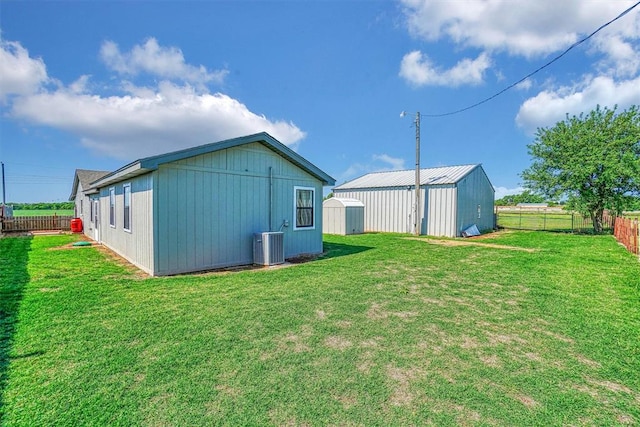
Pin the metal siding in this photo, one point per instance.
(209, 206)
(441, 211)
(475, 189)
(386, 210)
(135, 246)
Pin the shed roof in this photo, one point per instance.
(407, 178)
(148, 164)
(85, 177)
(338, 202)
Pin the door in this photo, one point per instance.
(96, 220)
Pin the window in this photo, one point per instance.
(90, 210)
(112, 207)
(479, 211)
(304, 212)
(126, 222)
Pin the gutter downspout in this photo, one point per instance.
(270, 198)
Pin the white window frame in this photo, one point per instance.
(295, 208)
(126, 218)
(112, 207)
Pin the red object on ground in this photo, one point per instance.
(76, 225)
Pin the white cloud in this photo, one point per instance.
(621, 58)
(378, 163)
(164, 62)
(149, 121)
(142, 121)
(504, 191)
(524, 85)
(19, 73)
(519, 27)
(393, 162)
(552, 106)
(530, 29)
(419, 70)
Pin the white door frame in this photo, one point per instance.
(96, 220)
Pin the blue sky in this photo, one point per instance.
(96, 85)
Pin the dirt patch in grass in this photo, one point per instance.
(365, 363)
(337, 343)
(588, 362)
(377, 312)
(492, 361)
(460, 242)
(527, 401)
(347, 401)
(401, 394)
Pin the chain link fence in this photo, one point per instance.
(548, 219)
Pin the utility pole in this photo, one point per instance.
(4, 200)
(418, 224)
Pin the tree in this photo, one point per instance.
(592, 161)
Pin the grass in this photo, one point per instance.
(530, 328)
(41, 212)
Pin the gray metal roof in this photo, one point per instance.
(407, 178)
(148, 164)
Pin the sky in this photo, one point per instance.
(97, 85)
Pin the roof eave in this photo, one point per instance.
(129, 171)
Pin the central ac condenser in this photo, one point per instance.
(268, 248)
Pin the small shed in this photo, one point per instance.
(342, 216)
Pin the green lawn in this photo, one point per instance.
(41, 212)
(530, 328)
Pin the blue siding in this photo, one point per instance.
(209, 206)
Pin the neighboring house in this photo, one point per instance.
(83, 196)
(198, 209)
(452, 199)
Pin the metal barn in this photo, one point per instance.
(201, 208)
(452, 199)
(342, 216)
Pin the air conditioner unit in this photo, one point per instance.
(268, 248)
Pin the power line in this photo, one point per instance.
(537, 70)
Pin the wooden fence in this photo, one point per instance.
(626, 232)
(36, 223)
